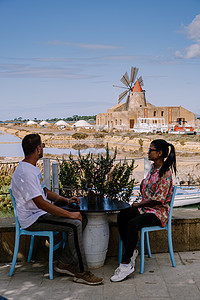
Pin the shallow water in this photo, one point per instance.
(10, 146)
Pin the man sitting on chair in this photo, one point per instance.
(35, 212)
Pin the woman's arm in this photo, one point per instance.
(162, 188)
(158, 198)
(147, 203)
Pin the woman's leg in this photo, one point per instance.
(134, 225)
(123, 219)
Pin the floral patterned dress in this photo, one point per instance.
(157, 189)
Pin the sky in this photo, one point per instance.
(60, 58)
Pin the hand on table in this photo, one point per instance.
(76, 215)
(135, 204)
(74, 199)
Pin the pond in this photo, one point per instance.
(10, 146)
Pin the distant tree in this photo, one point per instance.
(18, 119)
(75, 117)
(69, 119)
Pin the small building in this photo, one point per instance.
(62, 123)
(30, 123)
(44, 123)
(124, 116)
(83, 124)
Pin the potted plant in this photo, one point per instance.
(97, 177)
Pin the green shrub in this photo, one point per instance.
(182, 142)
(98, 135)
(102, 174)
(6, 171)
(5, 199)
(79, 135)
(141, 142)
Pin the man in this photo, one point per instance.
(36, 212)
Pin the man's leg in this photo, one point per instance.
(73, 253)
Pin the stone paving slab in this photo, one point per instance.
(160, 281)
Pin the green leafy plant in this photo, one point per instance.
(5, 199)
(69, 176)
(101, 174)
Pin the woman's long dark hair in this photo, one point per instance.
(170, 161)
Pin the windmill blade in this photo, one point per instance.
(121, 87)
(134, 72)
(125, 79)
(127, 101)
(121, 96)
(140, 80)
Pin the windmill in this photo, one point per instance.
(129, 83)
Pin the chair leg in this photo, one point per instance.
(17, 237)
(147, 243)
(64, 239)
(30, 248)
(141, 251)
(120, 250)
(51, 256)
(171, 252)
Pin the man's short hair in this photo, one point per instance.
(30, 143)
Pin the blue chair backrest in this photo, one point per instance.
(15, 210)
(172, 202)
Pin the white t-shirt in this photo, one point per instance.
(26, 184)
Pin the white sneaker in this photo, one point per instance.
(122, 272)
(134, 256)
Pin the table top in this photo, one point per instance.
(100, 205)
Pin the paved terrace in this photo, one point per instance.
(159, 281)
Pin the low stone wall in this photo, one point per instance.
(185, 234)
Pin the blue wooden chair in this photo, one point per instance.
(19, 231)
(144, 232)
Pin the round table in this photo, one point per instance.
(96, 233)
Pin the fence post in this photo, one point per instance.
(55, 177)
(47, 172)
(147, 166)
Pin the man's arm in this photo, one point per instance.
(55, 210)
(57, 198)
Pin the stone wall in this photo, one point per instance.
(185, 235)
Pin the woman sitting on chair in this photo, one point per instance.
(153, 210)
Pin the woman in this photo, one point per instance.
(156, 190)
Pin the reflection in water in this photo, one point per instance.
(10, 146)
(67, 151)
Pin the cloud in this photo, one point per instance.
(27, 71)
(192, 31)
(84, 45)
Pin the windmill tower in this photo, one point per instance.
(133, 90)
